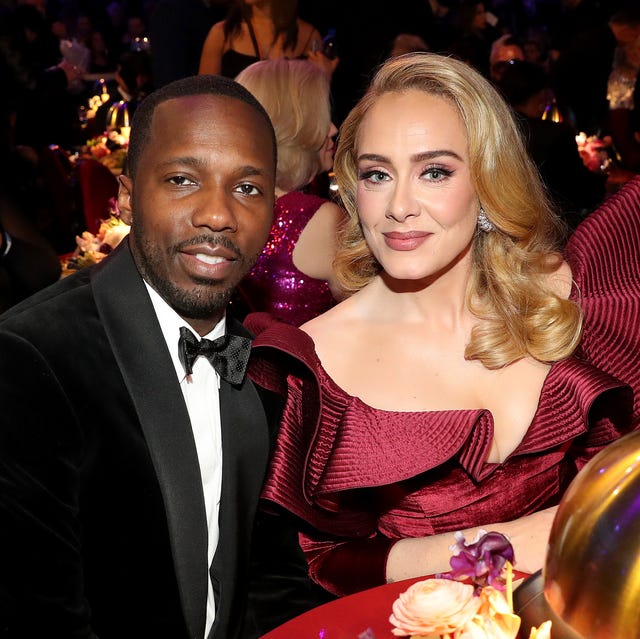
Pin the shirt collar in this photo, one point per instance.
(170, 324)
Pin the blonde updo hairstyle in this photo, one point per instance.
(296, 95)
(509, 289)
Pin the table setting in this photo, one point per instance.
(475, 596)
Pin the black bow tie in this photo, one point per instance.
(228, 354)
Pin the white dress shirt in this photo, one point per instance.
(203, 405)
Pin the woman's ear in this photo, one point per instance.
(125, 185)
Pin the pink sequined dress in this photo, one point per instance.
(359, 478)
(274, 284)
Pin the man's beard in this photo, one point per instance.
(205, 300)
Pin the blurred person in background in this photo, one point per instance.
(504, 50)
(28, 261)
(623, 86)
(293, 277)
(575, 190)
(260, 30)
(476, 30)
(39, 80)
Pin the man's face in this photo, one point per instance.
(201, 203)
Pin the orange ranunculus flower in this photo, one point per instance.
(433, 606)
(494, 619)
(543, 631)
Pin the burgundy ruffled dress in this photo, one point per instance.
(360, 478)
(275, 285)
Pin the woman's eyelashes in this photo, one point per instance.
(437, 173)
(433, 173)
(374, 176)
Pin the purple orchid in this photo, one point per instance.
(483, 560)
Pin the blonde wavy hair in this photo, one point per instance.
(296, 95)
(509, 290)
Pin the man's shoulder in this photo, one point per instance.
(60, 296)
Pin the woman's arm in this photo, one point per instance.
(212, 50)
(345, 567)
(429, 555)
(316, 246)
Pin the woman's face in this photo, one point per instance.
(328, 148)
(416, 201)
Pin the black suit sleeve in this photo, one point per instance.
(41, 576)
(280, 587)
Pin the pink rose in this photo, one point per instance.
(433, 606)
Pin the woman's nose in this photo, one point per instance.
(403, 203)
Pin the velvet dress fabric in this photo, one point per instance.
(359, 478)
(275, 285)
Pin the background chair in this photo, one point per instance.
(97, 187)
(61, 219)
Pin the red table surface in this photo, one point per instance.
(351, 616)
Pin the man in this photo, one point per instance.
(128, 484)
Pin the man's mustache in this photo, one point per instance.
(211, 239)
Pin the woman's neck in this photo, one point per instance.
(446, 290)
(261, 13)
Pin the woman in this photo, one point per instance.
(453, 388)
(293, 277)
(260, 30)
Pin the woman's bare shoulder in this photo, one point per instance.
(216, 33)
(212, 49)
(561, 280)
(336, 319)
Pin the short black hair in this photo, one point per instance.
(192, 85)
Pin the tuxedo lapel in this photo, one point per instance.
(245, 449)
(144, 361)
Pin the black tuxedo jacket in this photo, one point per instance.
(102, 519)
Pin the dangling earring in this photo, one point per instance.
(484, 223)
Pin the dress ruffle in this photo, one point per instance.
(351, 446)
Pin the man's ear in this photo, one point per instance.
(125, 185)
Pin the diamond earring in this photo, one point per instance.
(484, 223)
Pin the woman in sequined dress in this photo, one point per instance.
(293, 277)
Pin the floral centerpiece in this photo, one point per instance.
(91, 249)
(473, 601)
(110, 149)
(595, 152)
